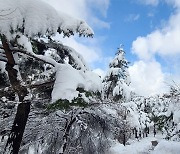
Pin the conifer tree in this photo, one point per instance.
(116, 81)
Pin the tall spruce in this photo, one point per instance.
(117, 79)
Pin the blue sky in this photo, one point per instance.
(128, 20)
(149, 30)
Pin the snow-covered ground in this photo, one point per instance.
(144, 146)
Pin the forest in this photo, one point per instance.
(51, 102)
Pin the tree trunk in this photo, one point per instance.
(154, 131)
(16, 84)
(136, 136)
(66, 135)
(17, 131)
(124, 138)
(16, 134)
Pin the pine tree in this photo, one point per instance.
(116, 81)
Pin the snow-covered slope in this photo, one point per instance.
(145, 146)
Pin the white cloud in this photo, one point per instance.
(146, 74)
(83, 9)
(140, 48)
(150, 14)
(99, 23)
(90, 53)
(149, 2)
(164, 42)
(75, 8)
(132, 17)
(147, 78)
(101, 5)
(175, 3)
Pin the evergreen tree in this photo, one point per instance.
(22, 23)
(116, 81)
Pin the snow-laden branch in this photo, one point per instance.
(37, 18)
(2, 55)
(1, 47)
(3, 59)
(4, 13)
(42, 58)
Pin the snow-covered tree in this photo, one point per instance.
(155, 114)
(117, 79)
(42, 113)
(22, 24)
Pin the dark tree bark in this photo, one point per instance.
(136, 136)
(67, 129)
(66, 134)
(12, 72)
(16, 134)
(154, 131)
(17, 131)
(140, 133)
(124, 138)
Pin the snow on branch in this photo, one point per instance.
(42, 58)
(2, 55)
(37, 18)
(3, 59)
